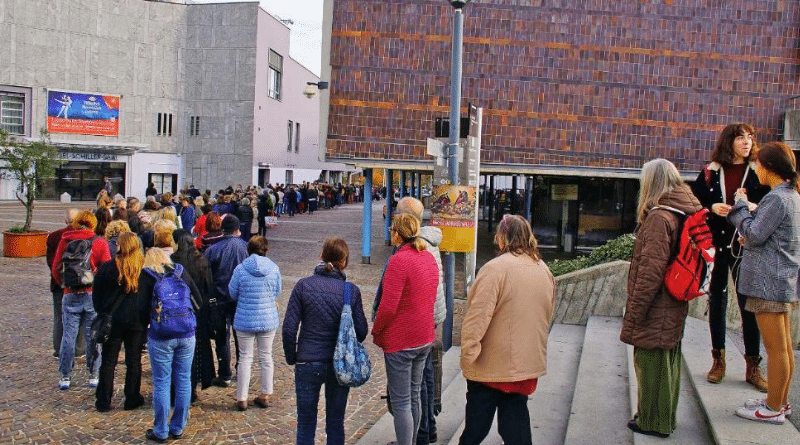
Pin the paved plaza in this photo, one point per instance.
(34, 410)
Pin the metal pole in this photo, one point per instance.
(528, 193)
(513, 209)
(452, 166)
(387, 223)
(366, 226)
(414, 184)
(492, 199)
(402, 183)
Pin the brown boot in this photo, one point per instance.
(753, 375)
(718, 368)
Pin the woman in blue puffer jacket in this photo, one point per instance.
(255, 284)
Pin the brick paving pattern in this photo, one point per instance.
(34, 410)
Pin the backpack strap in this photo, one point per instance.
(681, 220)
(348, 293)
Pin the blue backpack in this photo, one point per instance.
(351, 362)
(172, 307)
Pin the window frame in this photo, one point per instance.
(25, 95)
(274, 75)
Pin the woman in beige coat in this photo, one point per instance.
(504, 335)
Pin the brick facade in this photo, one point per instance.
(586, 83)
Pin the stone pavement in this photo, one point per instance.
(34, 410)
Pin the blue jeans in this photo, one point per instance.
(171, 362)
(427, 423)
(404, 378)
(77, 308)
(308, 379)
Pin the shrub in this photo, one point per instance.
(620, 248)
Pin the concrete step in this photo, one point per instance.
(719, 401)
(549, 406)
(601, 387)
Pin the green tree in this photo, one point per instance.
(28, 163)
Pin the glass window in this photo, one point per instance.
(297, 137)
(289, 128)
(12, 113)
(275, 74)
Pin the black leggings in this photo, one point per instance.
(718, 304)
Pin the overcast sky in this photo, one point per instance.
(306, 36)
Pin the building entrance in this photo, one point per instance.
(83, 180)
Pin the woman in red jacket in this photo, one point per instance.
(404, 323)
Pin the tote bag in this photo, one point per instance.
(351, 362)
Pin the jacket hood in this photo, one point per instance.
(681, 198)
(433, 235)
(319, 269)
(257, 265)
(71, 235)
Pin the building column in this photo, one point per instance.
(419, 186)
(402, 183)
(492, 202)
(513, 206)
(528, 196)
(387, 223)
(366, 222)
(414, 184)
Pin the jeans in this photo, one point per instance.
(171, 363)
(292, 208)
(718, 305)
(513, 418)
(247, 342)
(77, 307)
(308, 379)
(133, 369)
(58, 327)
(404, 377)
(427, 423)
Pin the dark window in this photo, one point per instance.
(297, 137)
(275, 74)
(289, 129)
(164, 124)
(194, 125)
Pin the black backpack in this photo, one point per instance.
(76, 264)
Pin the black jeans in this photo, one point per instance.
(724, 261)
(221, 319)
(513, 419)
(133, 341)
(427, 424)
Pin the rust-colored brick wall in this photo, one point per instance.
(597, 83)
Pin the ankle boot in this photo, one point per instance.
(718, 367)
(753, 375)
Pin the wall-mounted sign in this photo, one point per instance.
(84, 156)
(564, 192)
(82, 113)
(453, 211)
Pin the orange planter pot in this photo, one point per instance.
(25, 245)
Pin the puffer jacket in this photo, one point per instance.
(315, 309)
(432, 237)
(653, 319)
(256, 284)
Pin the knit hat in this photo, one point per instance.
(230, 224)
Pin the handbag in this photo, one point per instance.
(351, 362)
(101, 325)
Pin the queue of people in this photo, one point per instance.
(751, 194)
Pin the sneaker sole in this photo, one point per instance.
(763, 419)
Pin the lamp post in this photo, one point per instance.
(452, 164)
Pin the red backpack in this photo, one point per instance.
(689, 270)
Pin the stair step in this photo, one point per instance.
(601, 388)
(719, 401)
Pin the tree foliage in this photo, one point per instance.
(27, 163)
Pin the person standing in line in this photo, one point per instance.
(58, 292)
(654, 320)
(245, 214)
(223, 257)
(255, 286)
(504, 335)
(770, 266)
(151, 190)
(403, 325)
(729, 170)
(187, 213)
(315, 308)
(431, 236)
(77, 304)
(120, 278)
(170, 358)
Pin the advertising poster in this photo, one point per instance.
(82, 113)
(453, 211)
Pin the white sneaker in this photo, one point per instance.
(63, 383)
(93, 381)
(787, 410)
(761, 413)
(754, 403)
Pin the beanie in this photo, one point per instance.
(230, 224)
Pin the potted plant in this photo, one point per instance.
(27, 163)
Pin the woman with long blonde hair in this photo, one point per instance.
(118, 280)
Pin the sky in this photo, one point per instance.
(306, 35)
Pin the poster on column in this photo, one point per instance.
(453, 211)
(82, 113)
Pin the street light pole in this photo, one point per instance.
(452, 165)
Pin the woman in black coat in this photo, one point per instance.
(121, 279)
(195, 264)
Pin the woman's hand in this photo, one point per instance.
(740, 194)
(721, 209)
